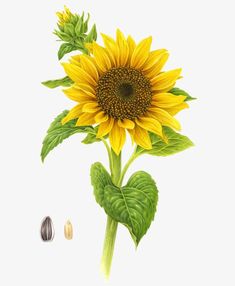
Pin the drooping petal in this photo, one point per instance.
(105, 127)
(101, 57)
(165, 118)
(141, 53)
(86, 119)
(153, 58)
(101, 117)
(74, 113)
(117, 138)
(175, 109)
(78, 95)
(123, 48)
(165, 79)
(141, 137)
(90, 107)
(150, 124)
(89, 67)
(156, 69)
(166, 100)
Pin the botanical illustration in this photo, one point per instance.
(119, 88)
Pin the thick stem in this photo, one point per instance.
(111, 226)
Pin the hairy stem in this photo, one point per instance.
(111, 226)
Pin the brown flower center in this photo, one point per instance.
(124, 93)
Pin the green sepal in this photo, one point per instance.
(79, 28)
(65, 49)
(179, 91)
(65, 82)
(58, 132)
(91, 137)
(69, 29)
(133, 205)
(92, 36)
(176, 143)
(100, 178)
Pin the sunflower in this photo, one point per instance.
(120, 87)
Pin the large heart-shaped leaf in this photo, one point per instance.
(100, 178)
(133, 205)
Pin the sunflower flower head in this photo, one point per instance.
(121, 88)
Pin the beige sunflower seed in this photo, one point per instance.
(68, 230)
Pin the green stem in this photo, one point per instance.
(131, 159)
(111, 226)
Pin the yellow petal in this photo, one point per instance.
(105, 127)
(89, 67)
(165, 79)
(86, 119)
(126, 123)
(90, 107)
(165, 100)
(73, 114)
(78, 95)
(117, 138)
(85, 87)
(76, 60)
(155, 70)
(142, 138)
(141, 53)
(150, 124)
(77, 74)
(131, 44)
(101, 117)
(153, 58)
(165, 118)
(101, 57)
(123, 48)
(90, 47)
(112, 49)
(131, 132)
(174, 110)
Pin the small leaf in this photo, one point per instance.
(133, 205)
(58, 132)
(100, 178)
(178, 91)
(65, 81)
(176, 143)
(65, 49)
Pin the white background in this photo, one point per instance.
(192, 240)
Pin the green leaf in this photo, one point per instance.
(133, 205)
(58, 132)
(176, 143)
(92, 36)
(65, 81)
(100, 178)
(65, 49)
(178, 91)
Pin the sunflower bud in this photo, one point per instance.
(68, 230)
(72, 29)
